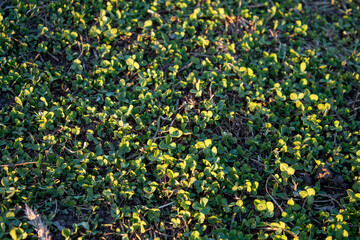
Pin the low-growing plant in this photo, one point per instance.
(184, 120)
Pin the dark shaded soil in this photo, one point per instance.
(6, 100)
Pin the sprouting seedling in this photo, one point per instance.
(36, 221)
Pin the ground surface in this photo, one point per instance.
(180, 119)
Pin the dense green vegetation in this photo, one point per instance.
(180, 119)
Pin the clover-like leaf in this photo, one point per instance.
(208, 142)
(302, 67)
(310, 192)
(197, 206)
(358, 153)
(174, 132)
(250, 72)
(293, 96)
(270, 206)
(200, 145)
(200, 216)
(260, 205)
(148, 24)
(195, 235)
(203, 202)
(313, 97)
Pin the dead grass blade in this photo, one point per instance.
(36, 221)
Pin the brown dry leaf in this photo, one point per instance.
(323, 173)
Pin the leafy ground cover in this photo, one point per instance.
(180, 119)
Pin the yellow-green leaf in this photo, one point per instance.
(293, 96)
(313, 97)
(18, 101)
(310, 192)
(303, 194)
(302, 67)
(148, 24)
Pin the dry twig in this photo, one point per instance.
(17, 164)
(267, 191)
(168, 204)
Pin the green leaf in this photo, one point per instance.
(310, 200)
(197, 206)
(213, 219)
(170, 173)
(205, 210)
(163, 145)
(85, 225)
(66, 232)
